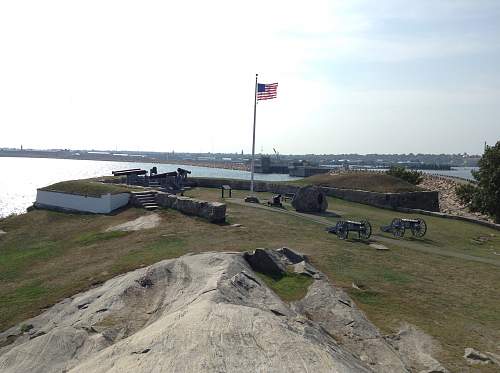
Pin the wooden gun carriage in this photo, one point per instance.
(343, 227)
(399, 226)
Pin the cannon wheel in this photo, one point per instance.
(398, 228)
(342, 230)
(419, 229)
(366, 232)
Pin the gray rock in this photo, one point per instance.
(266, 261)
(338, 315)
(305, 268)
(215, 212)
(199, 313)
(251, 199)
(292, 256)
(310, 199)
(475, 357)
(438, 368)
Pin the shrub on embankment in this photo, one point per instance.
(410, 176)
(484, 197)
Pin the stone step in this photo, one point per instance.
(146, 196)
(151, 207)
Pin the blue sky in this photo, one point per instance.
(354, 76)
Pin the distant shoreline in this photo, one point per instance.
(123, 159)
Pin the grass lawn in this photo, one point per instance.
(46, 256)
(88, 187)
(289, 287)
(370, 181)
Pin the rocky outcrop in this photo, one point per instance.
(310, 199)
(214, 212)
(251, 199)
(475, 357)
(449, 202)
(208, 312)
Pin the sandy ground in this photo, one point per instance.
(144, 222)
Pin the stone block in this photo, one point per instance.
(310, 199)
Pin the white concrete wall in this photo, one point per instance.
(118, 200)
(100, 205)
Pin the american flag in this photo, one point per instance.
(267, 91)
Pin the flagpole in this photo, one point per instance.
(253, 142)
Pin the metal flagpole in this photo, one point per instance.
(253, 142)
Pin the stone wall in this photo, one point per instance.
(215, 212)
(423, 200)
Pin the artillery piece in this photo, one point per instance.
(275, 201)
(399, 226)
(343, 227)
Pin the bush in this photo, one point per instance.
(486, 196)
(411, 176)
(465, 193)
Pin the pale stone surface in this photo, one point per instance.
(417, 349)
(200, 313)
(144, 222)
(475, 357)
(378, 246)
(338, 315)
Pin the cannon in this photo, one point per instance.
(399, 226)
(275, 201)
(183, 173)
(343, 227)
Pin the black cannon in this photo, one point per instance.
(183, 173)
(343, 227)
(275, 201)
(399, 226)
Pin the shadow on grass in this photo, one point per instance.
(326, 214)
(426, 241)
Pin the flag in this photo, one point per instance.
(267, 91)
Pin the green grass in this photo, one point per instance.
(164, 248)
(90, 238)
(89, 188)
(289, 287)
(369, 181)
(13, 258)
(366, 297)
(47, 256)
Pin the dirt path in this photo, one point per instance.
(376, 238)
